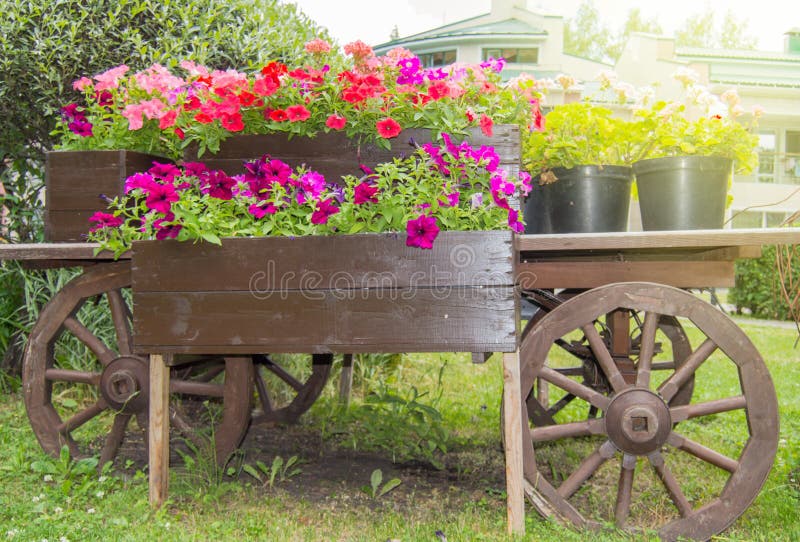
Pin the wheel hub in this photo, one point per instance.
(124, 384)
(638, 421)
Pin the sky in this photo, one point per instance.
(372, 20)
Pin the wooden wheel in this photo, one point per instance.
(82, 379)
(621, 332)
(688, 470)
(288, 385)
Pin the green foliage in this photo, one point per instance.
(758, 286)
(279, 471)
(586, 36)
(699, 30)
(636, 22)
(73, 477)
(576, 134)
(375, 489)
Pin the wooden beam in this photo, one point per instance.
(658, 239)
(594, 274)
(513, 431)
(55, 251)
(158, 429)
(346, 380)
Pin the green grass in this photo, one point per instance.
(468, 505)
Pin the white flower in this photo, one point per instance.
(737, 110)
(36, 498)
(102, 478)
(624, 91)
(644, 97)
(731, 97)
(687, 76)
(12, 533)
(758, 111)
(63, 539)
(100, 494)
(58, 510)
(90, 511)
(607, 79)
(48, 478)
(566, 81)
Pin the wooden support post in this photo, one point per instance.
(158, 428)
(512, 427)
(346, 380)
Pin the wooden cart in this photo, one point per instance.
(614, 303)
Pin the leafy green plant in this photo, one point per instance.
(758, 286)
(73, 477)
(279, 471)
(375, 489)
(578, 133)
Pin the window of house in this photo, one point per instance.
(767, 146)
(437, 58)
(513, 55)
(757, 219)
(792, 161)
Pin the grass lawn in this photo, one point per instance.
(399, 433)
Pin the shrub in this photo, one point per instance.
(758, 286)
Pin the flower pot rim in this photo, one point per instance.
(596, 169)
(689, 161)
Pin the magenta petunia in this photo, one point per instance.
(219, 185)
(82, 128)
(160, 197)
(103, 220)
(138, 180)
(422, 232)
(513, 221)
(365, 193)
(325, 209)
(167, 172)
(260, 210)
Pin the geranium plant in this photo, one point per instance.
(438, 187)
(699, 123)
(362, 95)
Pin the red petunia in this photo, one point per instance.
(336, 122)
(278, 115)
(232, 123)
(486, 125)
(265, 86)
(388, 128)
(365, 193)
(296, 113)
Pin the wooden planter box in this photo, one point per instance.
(341, 294)
(333, 154)
(75, 180)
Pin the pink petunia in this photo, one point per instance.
(138, 180)
(336, 122)
(167, 119)
(422, 232)
(324, 210)
(317, 46)
(160, 197)
(486, 125)
(260, 210)
(388, 128)
(104, 220)
(365, 193)
(81, 84)
(513, 221)
(297, 113)
(110, 78)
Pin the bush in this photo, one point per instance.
(47, 44)
(758, 286)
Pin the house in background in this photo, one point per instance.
(532, 43)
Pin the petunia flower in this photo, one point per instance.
(104, 220)
(486, 125)
(160, 197)
(317, 46)
(296, 113)
(260, 210)
(219, 185)
(324, 210)
(422, 232)
(365, 193)
(278, 115)
(336, 122)
(388, 128)
(513, 221)
(82, 128)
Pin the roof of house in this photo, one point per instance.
(508, 27)
(739, 54)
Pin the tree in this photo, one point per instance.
(636, 22)
(585, 35)
(699, 31)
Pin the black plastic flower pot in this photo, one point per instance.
(584, 199)
(683, 192)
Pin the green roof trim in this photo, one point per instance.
(508, 27)
(739, 54)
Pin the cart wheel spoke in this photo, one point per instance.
(625, 489)
(547, 433)
(82, 417)
(670, 484)
(703, 452)
(673, 384)
(120, 317)
(586, 469)
(282, 373)
(604, 358)
(114, 438)
(575, 388)
(92, 341)
(197, 388)
(70, 375)
(285, 393)
(687, 412)
(647, 345)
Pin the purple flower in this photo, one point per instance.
(453, 198)
(477, 200)
(166, 172)
(496, 64)
(218, 185)
(435, 74)
(160, 197)
(513, 221)
(164, 227)
(499, 183)
(138, 180)
(337, 192)
(422, 232)
(260, 210)
(261, 174)
(325, 209)
(194, 169)
(104, 220)
(365, 193)
(82, 128)
(312, 184)
(525, 178)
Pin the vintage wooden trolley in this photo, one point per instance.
(605, 364)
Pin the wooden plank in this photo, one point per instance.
(652, 254)
(346, 380)
(334, 154)
(55, 251)
(465, 319)
(65, 226)
(513, 430)
(657, 239)
(158, 429)
(267, 265)
(593, 274)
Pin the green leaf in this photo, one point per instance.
(388, 486)
(375, 479)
